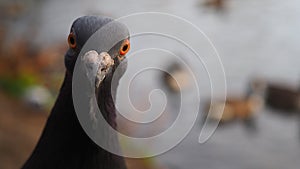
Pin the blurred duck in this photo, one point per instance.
(176, 79)
(238, 108)
(282, 97)
(215, 3)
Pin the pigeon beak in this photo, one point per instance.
(104, 69)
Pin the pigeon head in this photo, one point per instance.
(107, 36)
(100, 34)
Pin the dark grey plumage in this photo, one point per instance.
(64, 144)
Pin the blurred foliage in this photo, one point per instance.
(17, 86)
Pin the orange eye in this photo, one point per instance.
(71, 40)
(125, 47)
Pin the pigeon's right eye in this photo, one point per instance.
(71, 40)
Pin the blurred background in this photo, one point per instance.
(257, 41)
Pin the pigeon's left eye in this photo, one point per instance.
(71, 40)
(125, 47)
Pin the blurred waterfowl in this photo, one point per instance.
(282, 97)
(215, 3)
(238, 108)
(63, 143)
(279, 95)
(176, 78)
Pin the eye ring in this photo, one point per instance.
(72, 40)
(125, 47)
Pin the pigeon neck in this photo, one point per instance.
(64, 144)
